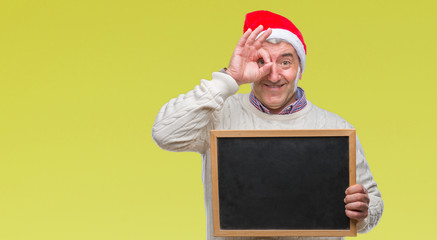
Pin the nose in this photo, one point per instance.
(274, 75)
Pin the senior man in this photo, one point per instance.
(271, 57)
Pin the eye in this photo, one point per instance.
(286, 63)
(260, 62)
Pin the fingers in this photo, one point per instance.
(357, 188)
(248, 51)
(357, 197)
(249, 37)
(357, 206)
(357, 202)
(264, 70)
(356, 193)
(243, 39)
(262, 53)
(262, 38)
(253, 35)
(355, 215)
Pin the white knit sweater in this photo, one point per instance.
(183, 124)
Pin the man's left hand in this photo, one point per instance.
(357, 202)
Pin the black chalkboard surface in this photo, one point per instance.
(282, 182)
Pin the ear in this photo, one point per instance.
(299, 72)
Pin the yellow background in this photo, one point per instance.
(82, 81)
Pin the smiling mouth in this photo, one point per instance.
(274, 86)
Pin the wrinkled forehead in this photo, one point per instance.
(279, 49)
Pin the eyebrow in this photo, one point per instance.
(287, 55)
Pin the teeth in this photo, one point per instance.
(275, 86)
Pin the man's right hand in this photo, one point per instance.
(243, 66)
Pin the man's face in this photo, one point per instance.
(278, 89)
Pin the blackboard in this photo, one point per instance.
(282, 182)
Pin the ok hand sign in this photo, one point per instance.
(243, 66)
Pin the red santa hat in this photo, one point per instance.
(282, 28)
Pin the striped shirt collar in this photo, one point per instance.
(292, 108)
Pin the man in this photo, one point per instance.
(273, 62)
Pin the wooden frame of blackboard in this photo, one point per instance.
(315, 133)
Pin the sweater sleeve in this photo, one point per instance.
(365, 178)
(184, 122)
